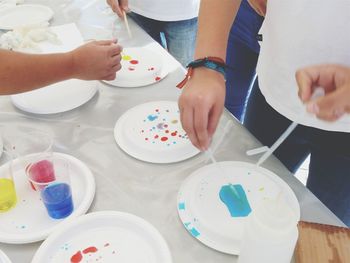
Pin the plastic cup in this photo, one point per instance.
(56, 193)
(8, 198)
(33, 147)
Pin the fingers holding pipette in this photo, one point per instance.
(335, 80)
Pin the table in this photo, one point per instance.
(124, 183)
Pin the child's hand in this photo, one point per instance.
(119, 6)
(97, 60)
(335, 80)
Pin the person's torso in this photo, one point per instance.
(297, 34)
(166, 10)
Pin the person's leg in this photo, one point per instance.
(152, 27)
(181, 39)
(329, 171)
(241, 58)
(240, 74)
(267, 125)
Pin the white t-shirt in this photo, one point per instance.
(166, 10)
(299, 33)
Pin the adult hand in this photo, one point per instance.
(119, 6)
(201, 104)
(96, 60)
(259, 6)
(335, 79)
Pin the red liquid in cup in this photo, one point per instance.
(41, 172)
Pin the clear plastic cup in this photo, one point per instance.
(8, 197)
(56, 193)
(32, 147)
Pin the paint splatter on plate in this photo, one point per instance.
(140, 67)
(29, 221)
(152, 132)
(105, 237)
(218, 220)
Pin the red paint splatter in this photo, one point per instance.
(142, 131)
(76, 258)
(90, 250)
(106, 245)
(131, 68)
(146, 139)
(174, 133)
(157, 110)
(157, 78)
(134, 62)
(164, 139)
(167, 131)
(152, 68)
(156, 137)
(166, 126)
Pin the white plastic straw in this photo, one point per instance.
(318, 92)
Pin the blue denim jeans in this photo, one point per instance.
(329, 170)
(241, 57)
(179, 37)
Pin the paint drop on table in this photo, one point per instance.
(134, 62)
(164, 139)
(157, 79)
(76, 258)
(237, 205)
(152, 117)
(90, 250)
(126, 57)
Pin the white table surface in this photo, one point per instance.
(124, 183)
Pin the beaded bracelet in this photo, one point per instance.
(214, 63)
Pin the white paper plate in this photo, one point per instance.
(28, 221)
(116, 237)
(24, 15)
(4, 258)
(62, 96)
(56, 98)
(140, 67)
(152, 132)
(207, 218)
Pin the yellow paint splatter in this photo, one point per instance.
(174, 121)
(261, 189)
(126, 57)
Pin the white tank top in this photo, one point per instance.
(299, 33)
(166, 10)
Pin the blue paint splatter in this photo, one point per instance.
(238, 206)
(182, 206)
(152, 117)
(194, 232)
(187, 224)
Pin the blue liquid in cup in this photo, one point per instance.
(57, 198)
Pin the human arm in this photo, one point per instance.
(202, 100)
(20, 72)
(118, 6)
(335, 80)
(259, 6)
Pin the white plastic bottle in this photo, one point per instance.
(270, 234)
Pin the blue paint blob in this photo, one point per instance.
(194, 232)
(182, 206)
(238, 206)
(152, 117)
(58, 200)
